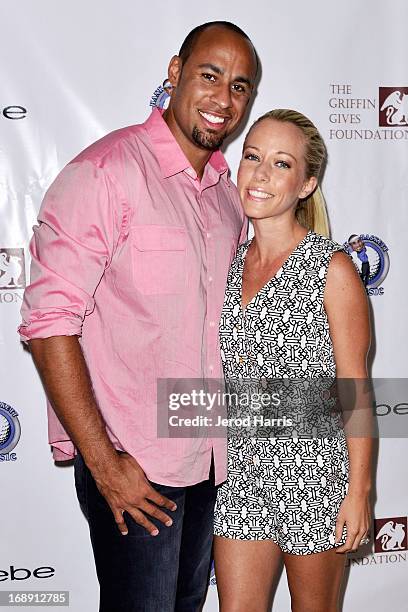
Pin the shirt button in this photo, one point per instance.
(212, 324)
(208, 234)
(211, 368)
(210, 279)
(241, 359)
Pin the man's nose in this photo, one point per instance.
(222, 96)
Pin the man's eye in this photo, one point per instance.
(251, 157)
(208, 77)
(239, 88)
(282, 164)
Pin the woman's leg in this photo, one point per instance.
(246, 572)
(315, 580)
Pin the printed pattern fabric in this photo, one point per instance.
(285, 489)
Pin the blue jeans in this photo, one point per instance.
(142, 573)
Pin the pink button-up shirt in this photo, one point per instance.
(131, 254)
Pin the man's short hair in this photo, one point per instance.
(191, 38)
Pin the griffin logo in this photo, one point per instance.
(12, 269)
(393, 105)
(391, 534)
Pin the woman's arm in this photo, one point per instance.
(347, 311)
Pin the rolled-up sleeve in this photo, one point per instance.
(78, 227)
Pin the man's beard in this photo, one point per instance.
(211, 142)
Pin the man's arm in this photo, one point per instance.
(73, 245)
(119, 477)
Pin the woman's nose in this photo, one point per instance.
(262, 173)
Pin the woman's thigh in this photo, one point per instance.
(314, 580)
(246, 573)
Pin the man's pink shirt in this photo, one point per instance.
(131, 254)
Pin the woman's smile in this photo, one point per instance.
(259, 194)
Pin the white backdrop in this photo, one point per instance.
(73, 71)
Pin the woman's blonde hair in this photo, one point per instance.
(310, 212)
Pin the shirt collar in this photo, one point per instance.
(168, 152)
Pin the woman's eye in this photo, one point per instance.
(251, 156)
(282, 164)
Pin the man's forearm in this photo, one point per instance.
(61, 365)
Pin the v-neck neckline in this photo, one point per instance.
(270, 280)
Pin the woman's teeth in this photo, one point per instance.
(254, 193)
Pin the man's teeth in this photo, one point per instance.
(259, 194)
(212, 118)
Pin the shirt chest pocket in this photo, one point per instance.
(159, 259)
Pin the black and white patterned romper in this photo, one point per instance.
(288, 490)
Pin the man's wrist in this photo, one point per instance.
(101, 460)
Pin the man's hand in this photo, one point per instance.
(126, 488)
(119, 477)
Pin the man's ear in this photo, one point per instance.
(174, 70)
(308, 187)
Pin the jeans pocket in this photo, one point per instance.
(175, 494)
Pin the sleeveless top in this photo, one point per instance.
(284, 333)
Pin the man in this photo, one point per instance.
(129, 266)
(359, 247)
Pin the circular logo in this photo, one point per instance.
(213, 579)
(370, 256)
(161, 95)
(9, 428)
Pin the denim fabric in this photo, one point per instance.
(142, 573)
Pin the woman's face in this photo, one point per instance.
(272, 172)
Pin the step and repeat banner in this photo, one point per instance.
(73, 71)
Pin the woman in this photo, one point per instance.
(294, 306)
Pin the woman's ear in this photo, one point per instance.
(308, 187)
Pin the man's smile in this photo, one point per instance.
(213, 120)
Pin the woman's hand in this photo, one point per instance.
(355, 515)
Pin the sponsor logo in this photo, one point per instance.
(381, 410)
(22, 573)
(14, 112)
(370, 256)
(393, 103)
(12, 269)
(390, 544)
(365, 116)
(9, 432)
(161, 95)
(390, 534)
(213, 580)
